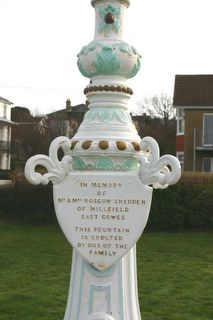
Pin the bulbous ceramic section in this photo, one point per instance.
(109, 58)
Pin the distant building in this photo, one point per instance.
(33, 135)
(193, 98)
(65, 122)
(5, 139)
(25, 136)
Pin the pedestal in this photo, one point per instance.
(108, 295)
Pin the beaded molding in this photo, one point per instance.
(108, 88)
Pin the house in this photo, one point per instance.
(5, 139)
(65, 122)
(33, 135)
(25, 138)
(193, 99)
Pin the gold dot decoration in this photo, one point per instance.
(109, 18)
(86, 144)
(103, 144)
(136, 146)
(121, 145)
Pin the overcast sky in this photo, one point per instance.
(39, 41)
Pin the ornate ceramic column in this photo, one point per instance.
(103, 184)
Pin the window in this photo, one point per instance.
(7, 160)
(5, 111)
(208, 129)
(180, 121)
(8, 133)
(180, 156)
(207, 164)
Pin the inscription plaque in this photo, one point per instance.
(102, 215)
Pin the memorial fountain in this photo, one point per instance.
(103, 185)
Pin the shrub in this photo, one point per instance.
(204, 179)
(179, 207)
(24, 203)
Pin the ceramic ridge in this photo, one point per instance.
(94, 2)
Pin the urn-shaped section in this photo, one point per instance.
(109, 58)
(108, 54)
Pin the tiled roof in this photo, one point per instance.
(78, 108)
(193, 91)
(5, 100)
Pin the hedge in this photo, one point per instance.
(27, 204)
(204, 179)
(179, 207)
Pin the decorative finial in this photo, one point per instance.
(94, 2)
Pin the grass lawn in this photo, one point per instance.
(175, 275)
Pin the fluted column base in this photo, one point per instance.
(108, 295)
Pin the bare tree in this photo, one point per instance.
(157, 118)
(158, 107)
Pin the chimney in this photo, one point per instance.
(68, 105)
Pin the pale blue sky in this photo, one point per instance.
(41, 38)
